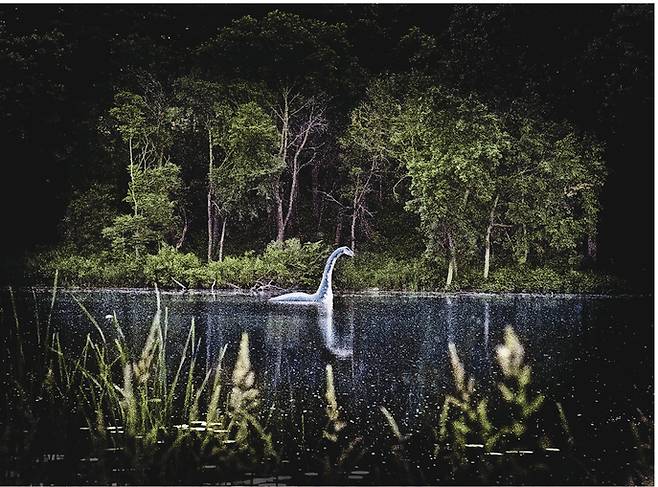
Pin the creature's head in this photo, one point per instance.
(346, 251)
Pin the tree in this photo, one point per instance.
(152, 193)
(451, 147)
(301, 122)
(283, 49)
(476, 174)
(242, 180)
(88, 212)
(367, 151)
(304, 63)
(554, 180)
(241, 139)
(146, 124)
(204, 108)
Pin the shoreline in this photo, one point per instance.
(369, 293)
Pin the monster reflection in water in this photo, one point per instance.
(337, 333)
(338, 337)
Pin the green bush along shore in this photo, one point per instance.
(292, 264)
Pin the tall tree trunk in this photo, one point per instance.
(211, 210)
(292, 197)
(452, 264)
(292, 145)
(283, 154)
(353, 232)
(339, 229)
(592, 247)
(211, 229)
(179, 244)
(450, 272)
(524, 257)
(221, 239)
(315, 190)
(355, 216)
(487, 239)
(280, 223)
(132, 174)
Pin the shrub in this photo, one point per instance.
(284, 264)
(169, 267)
(547, 280)
(101, 269)
(294, 264)
(386, 272)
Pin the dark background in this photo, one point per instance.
(591, 64)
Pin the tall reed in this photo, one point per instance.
(143, 423)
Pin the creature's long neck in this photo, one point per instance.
(325, 284)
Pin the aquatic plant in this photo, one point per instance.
(342, 448)
(399, 454)
(109, 413)
(136, 417)
(514, 387)
(463, 417)
(161, 419)
(467, 421)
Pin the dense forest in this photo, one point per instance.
(453, 147)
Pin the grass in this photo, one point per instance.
(131, 405)
(110, 414)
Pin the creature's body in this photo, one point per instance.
(324, 294)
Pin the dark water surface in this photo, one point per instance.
(592, 354)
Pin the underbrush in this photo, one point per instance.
(292, 264)
(283, 265)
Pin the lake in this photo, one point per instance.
(592, 354)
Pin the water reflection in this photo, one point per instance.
(486, 325)
(392, 351)
(338, 335)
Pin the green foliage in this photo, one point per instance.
(299, 263)
(341, 446)
(242, 144)
(129, 402)
(284, 264)
(249, 143)
(548, 280)
(451, 148)
(152, 193)
(129, 114)
(385, 272)
(510, 186)
(366, 155)
(169, 266)
(514, 387)
(477, 175)
(553, 182)
(467, 419)
(284, 48)
(100, 269)
(88, 212)
(145, 123)
(464, 418)
(293, 264)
